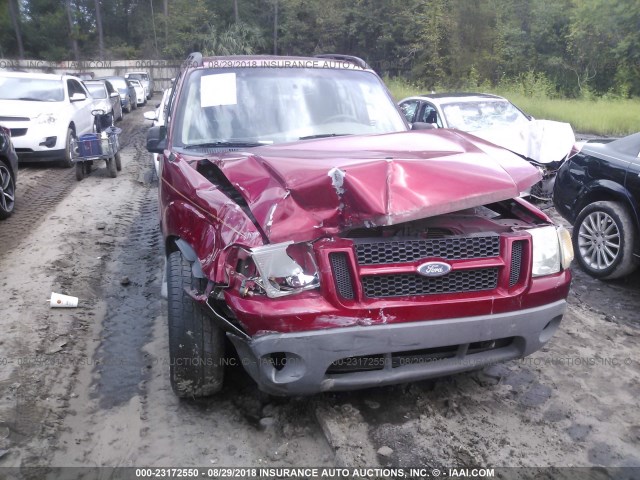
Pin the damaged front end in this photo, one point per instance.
(352, 262)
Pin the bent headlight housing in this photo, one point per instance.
(552, 250)
(285, 268)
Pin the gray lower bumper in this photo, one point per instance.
(309, 354)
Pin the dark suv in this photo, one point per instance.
(8, 173)
(598, 191)
(335, 248)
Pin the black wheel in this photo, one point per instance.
(70, 147)
(111, 167)
(87, 167)
(80, 168)
(603, 239)
(7, 191)
(134, 103)
(129, 108)
(118, 162)
(196, 345)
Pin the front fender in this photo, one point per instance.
(601, 190)
(203, 236)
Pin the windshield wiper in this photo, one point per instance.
(225, 144)
(323, 135)
(32, 99)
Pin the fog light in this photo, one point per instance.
(49, 142)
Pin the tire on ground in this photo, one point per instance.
(69, 146)
(624, 262)
(111, 167)
(8, 190)
(80, 169)
(196, 345)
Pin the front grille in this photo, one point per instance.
(383, 251)
(18, 132)
(516, 263)
(423, 357)
(409, 284)
(341, 275)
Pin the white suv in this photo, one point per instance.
(44, 112)
(145, 79)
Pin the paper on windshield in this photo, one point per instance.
(216, 90)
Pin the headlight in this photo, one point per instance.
(45, 119)
(552, 250)
(285, 268)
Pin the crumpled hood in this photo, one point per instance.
(543, 141)
(303, 190)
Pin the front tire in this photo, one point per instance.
(603, 239)
(7, 191)
(69, 147)
(196, 345)
(118, 162)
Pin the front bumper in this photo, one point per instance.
(34, 141)
(297, 363)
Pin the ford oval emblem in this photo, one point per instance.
(434, 269)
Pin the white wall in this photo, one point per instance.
(162, 71)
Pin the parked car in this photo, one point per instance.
(45, 112)
(544, 143)
(141, 98)
(8, 173)
(158, 117)
(107, 98)
(126, 90)
(598, 191)
(145, 79)
(332, 246)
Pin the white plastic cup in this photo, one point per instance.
(59, 300)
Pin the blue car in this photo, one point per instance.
(126, 90)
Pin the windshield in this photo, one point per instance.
(97, 90)
(139, 76)
(135, 83)
(273, 105)
(478, 115)
(32, 89)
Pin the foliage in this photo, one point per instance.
(566, 48)
(602, 116)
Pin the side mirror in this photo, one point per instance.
(114, 95)
(77, 97)
(423, 126)
(157, 139)
(150, 115)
